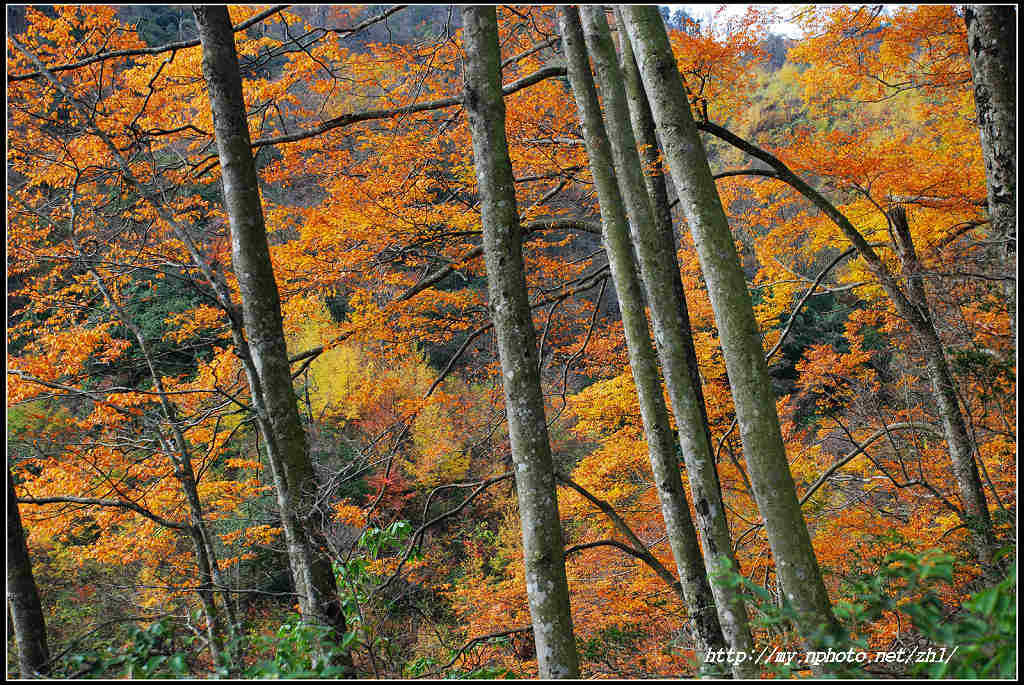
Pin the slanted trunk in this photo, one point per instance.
(682, 376)
(179, 453)
(991, 45)
(273, 396)
(738, 331)
(546, 586)
(206, 560)
(913, 308)
(642, 360)
(961, 447)
(23, 596)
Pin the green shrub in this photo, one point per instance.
(977, 641)
(300, 650)
(151, 652)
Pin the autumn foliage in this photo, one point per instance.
(116, 339)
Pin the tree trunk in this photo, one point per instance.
(738, 331)
(273, 395)
(23, 596)
(991, 44)
(682, 375)
(655, 245)
(660, 441)
(181, 459)
(958, 440)
(546, 585)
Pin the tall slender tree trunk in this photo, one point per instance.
(273, 395)
(546, 585)
(682, 375)
(682, 535)
(655, 247)
(23, 595)
(958, 440)
(206, 559)
(991, 45)
(738, 331)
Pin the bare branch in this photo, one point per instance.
(475, 641)
(180, 45)
(116, 504)
(639, 549)
(373, 114)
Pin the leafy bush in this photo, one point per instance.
(301, 650)
(980, 638)
(150, 653)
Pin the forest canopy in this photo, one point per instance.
(517, 341)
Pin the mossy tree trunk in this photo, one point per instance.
(740, 338)
(23, 595)
(682, 376)
(273, 395)
(655, 246)
(911, 304)
(546, 586)
(991, 47)
(958, 439)
(682, 535)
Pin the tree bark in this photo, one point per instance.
(273, 395)
(991, 44)
(958, 440)
(655, 245)
(660, 440)
(682, 375)
(738, 331)
(23, 595)
(546, 585)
